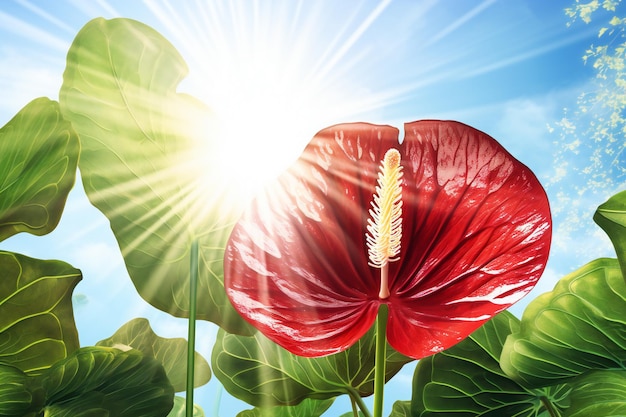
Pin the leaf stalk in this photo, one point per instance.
(191, 336)
(355, 398)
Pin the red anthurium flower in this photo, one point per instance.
(446, 228)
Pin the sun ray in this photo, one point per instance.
(256, 75)
(460, 21)
(47, 16)
(361, 29)
(26, 30)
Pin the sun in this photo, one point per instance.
(269, 84)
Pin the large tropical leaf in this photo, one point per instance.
(180, 408)
(36, 319)
(577, 327)
(611, 217)
(598, 393)
(145, 153)
(466, 380)
(100, 381)
(401, 409)
(307, 408)
(171, 353)
(258, 371)
(38, 157)
(20, 396)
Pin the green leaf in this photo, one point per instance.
(147, 164)
(171, 353)
(99, 381)
(577, 327)
(351, 414)
(401, 409)
(307, 408)
(261, 373)
(611, 217)
(180, 409)
(466, 380)
(19, 394)
(39, 155)
(599, 393)
(36, 319)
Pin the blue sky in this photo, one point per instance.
(507, 67)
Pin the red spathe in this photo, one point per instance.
(476, 232)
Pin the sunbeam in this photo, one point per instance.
(271, 75)
(258, 74)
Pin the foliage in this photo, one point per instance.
(36, 334)
(307, 408)
(42, 367)
(564, 358)
(147, 165)
(264, 374)
(553, 363)
(179, 409)
(39, 151)
(92, 381)
(468, 377)
(599, 123)
(171, 353)
(107, 381)
(592, 134)
(577, 327)
(611, 217)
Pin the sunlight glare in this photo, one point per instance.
(269, 91)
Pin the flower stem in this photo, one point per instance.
(381, 359)
(191, 342)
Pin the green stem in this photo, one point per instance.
(381, 359)
(355, 411)
(356, 398)
(191, 338)
(549, 407)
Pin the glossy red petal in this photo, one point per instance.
(477, 233)
(296, 262)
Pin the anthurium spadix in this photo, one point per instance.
(446, 228)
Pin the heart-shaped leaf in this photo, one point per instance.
(307, 408)
(19, 394)
(611, 217)
(577, 327)
(146, 165)
(401, 409)
(598, 393)
(39, 155)
(36, 318)
(467, 380)
(258, 371)
(100, 381)
(171, 353)
(351, 414)
(180, 408)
